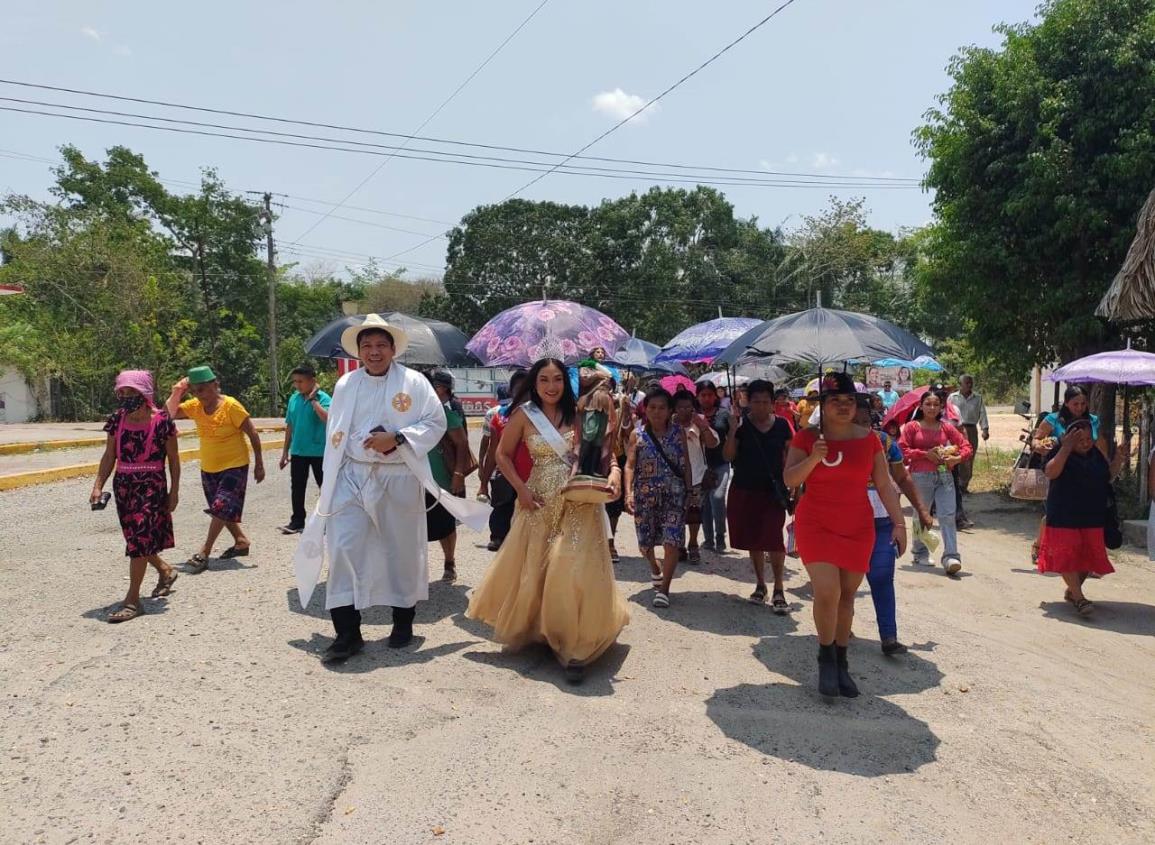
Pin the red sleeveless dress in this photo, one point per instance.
(834, 522)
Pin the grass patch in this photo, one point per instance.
(992, 469)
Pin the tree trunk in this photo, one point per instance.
(1103, 405)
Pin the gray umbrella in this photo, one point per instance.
(823, 336)
(432, 343)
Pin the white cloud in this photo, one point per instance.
(620, 105)
(91, 32)
(122, 50)
(872, 174)
(792, 158)
(824, 161)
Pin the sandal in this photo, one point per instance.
(778, 603)
(125, 612)
(197, 564)
(1084, 607)
(759, 594)
(1035, 553)
(164, 584)
(661, 600)
(695, 555)
(235, 551)
(450, 573)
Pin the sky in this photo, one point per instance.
(827, 87)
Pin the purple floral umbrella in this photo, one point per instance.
(556, 328)
(1122, 366)
(704, 341)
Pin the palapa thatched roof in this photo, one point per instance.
(1131, 297)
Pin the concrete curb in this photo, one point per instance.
(16, 480)
(88, 442)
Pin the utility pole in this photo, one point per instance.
(274, 386)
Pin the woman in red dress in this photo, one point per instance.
(834, 523)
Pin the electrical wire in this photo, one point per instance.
(431, 116)
(654, 100)
(444, 141)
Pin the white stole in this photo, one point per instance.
(421, 419)
(548, 432)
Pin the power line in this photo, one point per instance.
(451, 142)
(356, 220)
(651, 102)
(458, 158)
(431, 116)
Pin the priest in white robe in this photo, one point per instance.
(370, 518)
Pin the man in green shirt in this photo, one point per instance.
(304, 440)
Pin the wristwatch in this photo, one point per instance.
(400, 439)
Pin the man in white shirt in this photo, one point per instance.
(700, 436)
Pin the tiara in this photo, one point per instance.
(548, 347)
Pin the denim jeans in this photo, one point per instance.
(714, 508)
(881, 579)
(938, 488)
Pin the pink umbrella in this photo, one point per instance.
(672, 383)
(904, 408)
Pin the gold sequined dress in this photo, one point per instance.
(552, 581)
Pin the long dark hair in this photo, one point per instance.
(918, 414)
(1070, 393)
(527, 390)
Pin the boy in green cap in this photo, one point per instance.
(222, 425)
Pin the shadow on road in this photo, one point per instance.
(378, 655)
(867, 736)
(151, 607)
(1122, 617)
(715, 612)
(537, 663)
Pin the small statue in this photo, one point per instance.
(596, 408)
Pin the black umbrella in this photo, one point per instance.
(823, 336)
(432, 343)
(638, 355)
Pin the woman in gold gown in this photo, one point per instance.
(552, 580)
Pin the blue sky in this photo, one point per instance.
(828, 86)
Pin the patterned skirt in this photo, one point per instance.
(142, 506)
(225, 492)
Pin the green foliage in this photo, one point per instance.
(1041, 155)
(122, 273)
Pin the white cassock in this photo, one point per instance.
(370, 517)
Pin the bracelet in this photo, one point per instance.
(462, 474)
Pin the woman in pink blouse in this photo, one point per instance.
(932, 447)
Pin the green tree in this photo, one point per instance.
(1041, 155)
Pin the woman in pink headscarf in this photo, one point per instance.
(140, 439)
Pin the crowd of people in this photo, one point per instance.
(819, 479)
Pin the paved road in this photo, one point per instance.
(211, 719)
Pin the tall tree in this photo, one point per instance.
(1040, 157)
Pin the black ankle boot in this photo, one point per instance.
(827, 671)
(347, 623)
(402, 632)
(846, 686)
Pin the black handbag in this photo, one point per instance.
(777, 483)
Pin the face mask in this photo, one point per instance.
(131, 403)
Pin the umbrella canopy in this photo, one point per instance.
(923, 362)
(904, 408)
(638, 355)
(519, 336)
(722, 379)
(813, 385)
(1131, 296)
(1123, 366)
(432, 343)
(704, 341)
(672, 383)
(824, 336)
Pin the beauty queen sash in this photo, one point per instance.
(548, 432)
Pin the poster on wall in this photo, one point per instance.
(899, 378)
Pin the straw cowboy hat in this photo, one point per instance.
(374, 321)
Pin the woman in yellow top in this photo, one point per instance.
(222, 425)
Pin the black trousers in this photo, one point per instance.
(299, 466)
(500, 519)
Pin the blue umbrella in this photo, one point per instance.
(923, 362)
(705, 341)
(638, 355)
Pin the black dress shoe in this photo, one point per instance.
(890, 647)
(342, 649)
(575, 672)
